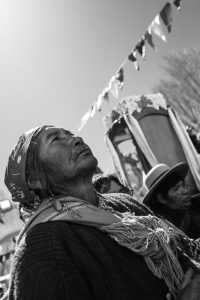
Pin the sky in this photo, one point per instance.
(56, 57)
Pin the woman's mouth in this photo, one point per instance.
(85, 151)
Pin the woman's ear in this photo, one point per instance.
(161, 199)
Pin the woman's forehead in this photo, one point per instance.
(55, 129)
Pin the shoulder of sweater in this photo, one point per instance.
(48, 237)
(57, 229)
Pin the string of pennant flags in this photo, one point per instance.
(116, 82)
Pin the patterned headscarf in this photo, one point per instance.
(16, 170)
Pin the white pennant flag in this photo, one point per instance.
(99, 102)
(113, 87)
(93, 110)
(84, 119)
(156, 28)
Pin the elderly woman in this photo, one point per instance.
(76, 243)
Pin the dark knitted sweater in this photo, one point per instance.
(60, 260)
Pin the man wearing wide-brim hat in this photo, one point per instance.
(169, 196)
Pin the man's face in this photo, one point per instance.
(64, 156)
(179, 196)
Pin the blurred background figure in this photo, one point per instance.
(109, 183)
(168, 196)
(10, 226)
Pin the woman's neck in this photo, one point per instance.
(82, 190)
(86, 193)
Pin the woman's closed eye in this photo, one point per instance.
(55, 139)
(58, 138)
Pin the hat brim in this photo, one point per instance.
(180, 169)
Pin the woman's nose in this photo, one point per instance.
(78, 141)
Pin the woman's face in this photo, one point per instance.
(178, 197)
(64, 156)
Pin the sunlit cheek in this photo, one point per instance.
(57, 166)
(64, 164)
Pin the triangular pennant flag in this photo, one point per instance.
(156, 28)
(106, 94)
(113, 87)
(132, 57)
(140, 47)
(84, 119)
(177, 3)
(99, 102)
(120, 78)
(106, 97)
(166, 16)
(93, 110)
(149, 39)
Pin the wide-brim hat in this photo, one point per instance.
(158, 174)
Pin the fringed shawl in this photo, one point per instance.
(148, 235)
